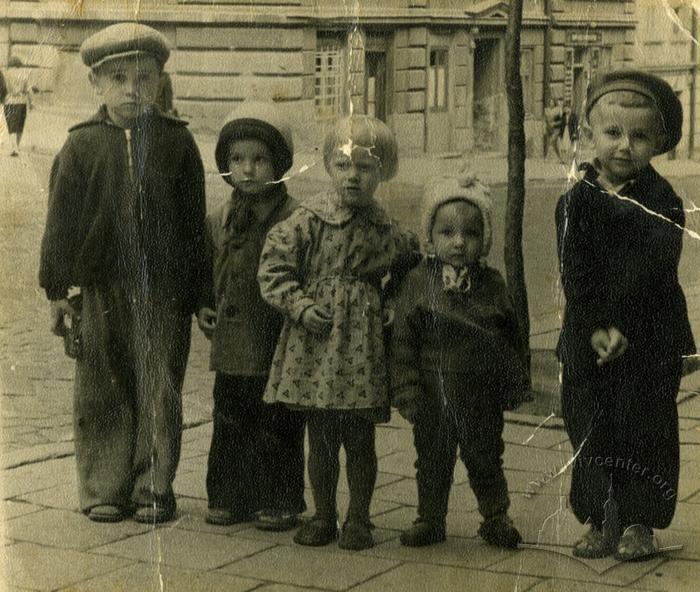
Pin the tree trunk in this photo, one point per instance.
(515, 203)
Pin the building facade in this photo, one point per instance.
(434, 70)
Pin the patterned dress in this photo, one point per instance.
(328, 255)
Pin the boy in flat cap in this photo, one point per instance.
(126, 225)
(626, 328)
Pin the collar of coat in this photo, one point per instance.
(101, 117)
(588, 172)
(277, 195)
(327, 206)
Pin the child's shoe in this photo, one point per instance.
(636, 544)
(224, 517)
(316, 533)
(276, 520)
(106, 513)
(154, 514)
(596, 543)
(422, 534)
(356, 536)
(500, 532)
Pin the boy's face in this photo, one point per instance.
(457, 236)
(624, 139)
(127, 87)
(250, 163)
(355, 178)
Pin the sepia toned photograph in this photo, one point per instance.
(349, 295)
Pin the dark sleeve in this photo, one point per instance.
(579, 237)
(192, 191)
(206, 296)
(404, 351)
(61, 234)
(408, 249)
(513, 329)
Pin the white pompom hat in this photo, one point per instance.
(464, 187)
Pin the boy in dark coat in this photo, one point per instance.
(126, 225)
(626, 327)
(456, 361)
(256, 460)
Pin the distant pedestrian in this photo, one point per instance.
(626, 327)
(457, 360)
(572, 124)
(324, 267)
(17, 100)
(256, 459)
(126, 224)
(553, 118)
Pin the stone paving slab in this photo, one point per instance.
(537, 562)
(185, 549)
(419, 576)
(36, 567)
(302, 566)
(68, 530)
(552, 585)
(672, 576)
(147, 577)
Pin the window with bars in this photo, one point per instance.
(329, 77)
(437, 80)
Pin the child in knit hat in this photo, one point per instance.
(324, 267)
(456, 362)
(626, 330)
(256, 459)
(125, 225)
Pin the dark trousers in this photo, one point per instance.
(256, 459)
(455, 413)
(328, 430)
(625, 437)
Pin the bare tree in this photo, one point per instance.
(515, 202)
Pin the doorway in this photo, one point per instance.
(486, 108)
(375, 84)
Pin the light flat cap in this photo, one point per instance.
(124, 40)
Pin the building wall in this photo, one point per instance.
(227, 51)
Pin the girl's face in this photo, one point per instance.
(251, 167)
(355, 178)
(457, 236)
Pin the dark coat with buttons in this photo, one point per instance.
(247, 328)
(619, 268)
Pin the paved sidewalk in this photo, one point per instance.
(46, 544)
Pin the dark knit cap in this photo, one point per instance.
(260, 121)
(648, 85)
(124, 40)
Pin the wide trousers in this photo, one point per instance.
(128, 400)
(457, 413)
(256, 459)
(624, 432)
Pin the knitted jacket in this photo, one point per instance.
(473, 333)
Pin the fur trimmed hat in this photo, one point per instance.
(124, 40)
(261, 121)
(654, 88)
(367, 132)
(464, 187)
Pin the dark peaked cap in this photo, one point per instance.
(124, 40)
(643, 83)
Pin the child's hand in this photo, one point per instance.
(59, 310)
(316, 320)
(609, 344)
(691, 364)
(206, 320)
